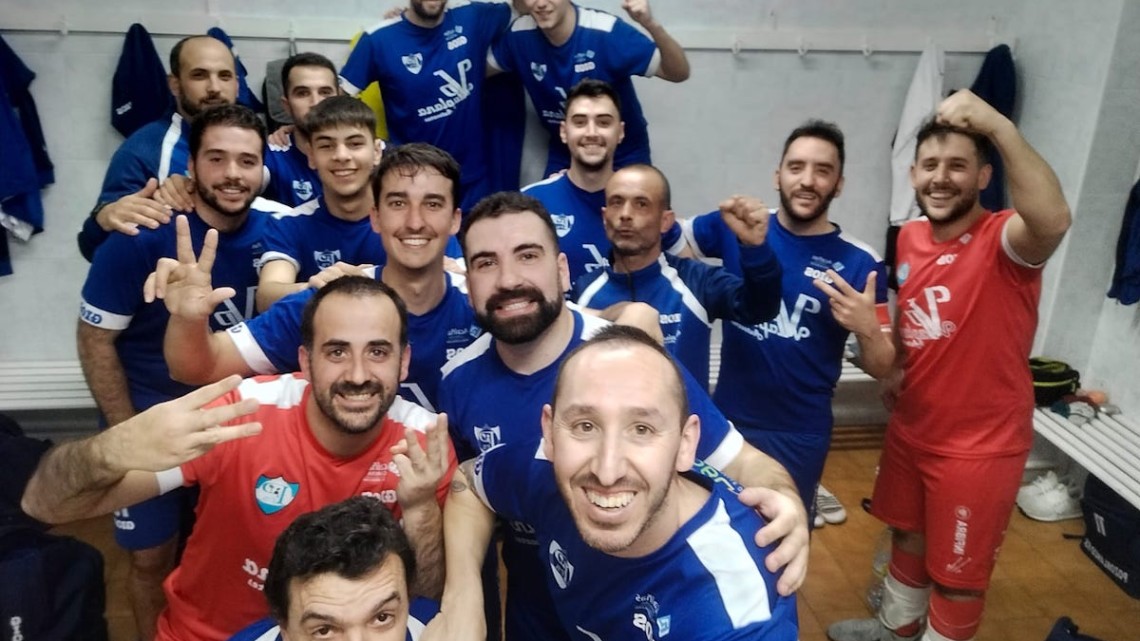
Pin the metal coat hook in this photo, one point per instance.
(801, 47)
(292, 33)
(64, 26)
(866, 49)
(735, 45)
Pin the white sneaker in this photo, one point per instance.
(828, 506)
(863, 630)
(1048, 499)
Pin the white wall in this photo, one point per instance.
(718, 133)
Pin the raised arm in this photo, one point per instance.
(859, 314)
(674, 65)
(277, 279)
(1043, 216)
(425, 474)
(117, 467)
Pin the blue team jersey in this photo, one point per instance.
(310, 238)
(780, 375)
(602, 47)
(113, 296)
(689, 295)
(291, 181)
(431, 81)
(269, 343)
(157, 150)
(708, 581)
(487, 403)
(577, 216)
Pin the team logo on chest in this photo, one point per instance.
(303, 189)
(646, 616)
(274, 494)
(584, 62)
(413, 62)
(488, 436)
(560, 565)
(326, 258)
(538, 70)
(562, 223)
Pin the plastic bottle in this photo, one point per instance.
(879, 564)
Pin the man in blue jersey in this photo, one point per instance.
(688, 294)
(415, 190)
(559, 44)
(431, 62)
(591, 130)
(120, 335)
(777, 378)
(307, 78)
(629, 542)
(517, 280)
(334, 229)
(201, 75)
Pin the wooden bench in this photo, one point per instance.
(43, 385)
(1107, 446)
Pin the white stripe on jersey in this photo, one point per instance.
(728, 448)
(271, 256)
(102, 318)
(654, 64)
(525, 23)
(250, 350)
(304, 209)
(284, 391)
(851, 240)
(725, 556)
(467, 354)
(588, 294)
(1009, 248)
(169, 140)
(687, 296)
(271, 207)
(544, 181)
(596, 20)
(411, 415)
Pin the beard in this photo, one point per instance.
(607, 539)
(820, 209)
(519, 329)
(417, 7)
(353, 422)
(592, 165)
(965, 204)
(207, 194)
(192, 109)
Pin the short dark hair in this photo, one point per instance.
(224, 116)
(350, 539)
(822, 129)
(939, 131)
(176, 53)
(592, 88)
(305, 59)
(617, 336)
(666, 190)
(338, 111)
(506, 202)
(410, 158)
(357, 287)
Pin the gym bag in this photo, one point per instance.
(1112, 535)
(1052, 380)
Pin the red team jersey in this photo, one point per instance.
(253, 488)
(967, 315)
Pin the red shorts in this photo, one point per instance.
(962, 506)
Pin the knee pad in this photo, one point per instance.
(955, 619)
(902, 604)
(909, 568)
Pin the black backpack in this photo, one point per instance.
(51, 587)
(1052, 380)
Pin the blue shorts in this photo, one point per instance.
(802, 453)
(154, 521)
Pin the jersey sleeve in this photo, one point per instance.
(359, 71)
(494, 17)
(112, 292)
(500, 57)
(446, 402)
(127, 173)
(631, 52)
(280, 241)
(719, 442)
(751, 299)
(506, 478)
(268, 343)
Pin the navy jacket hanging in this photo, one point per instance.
(139, 91)
(997, 84)
(1126, 278)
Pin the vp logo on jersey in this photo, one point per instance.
(560, 565)
(538, 70)
(413, 62)
(274, 494)
(562, 223)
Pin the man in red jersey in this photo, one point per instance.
(961, 422)
(333, 431)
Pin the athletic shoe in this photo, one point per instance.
(828, 506)
(1048, 499)
(864, 630)
(818, 521)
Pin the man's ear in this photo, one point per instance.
(303, 359)
(985, 174)
(174, 85)
(667, 220)
(547, 431)
(562, 131)
(690, 435)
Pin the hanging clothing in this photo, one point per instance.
(1126, 277)
(140, 93)
(27, 167)
(921, 101)
(997, 84)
